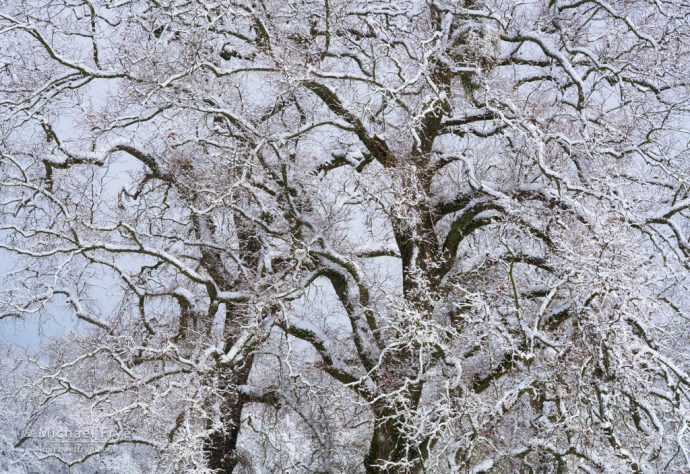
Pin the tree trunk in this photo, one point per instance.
(221, 445)
(388, 447)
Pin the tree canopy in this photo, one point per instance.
(347, 236)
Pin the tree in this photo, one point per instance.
(344, 236)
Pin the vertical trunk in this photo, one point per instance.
(389, 451)
(221, 445)
(382, 447)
